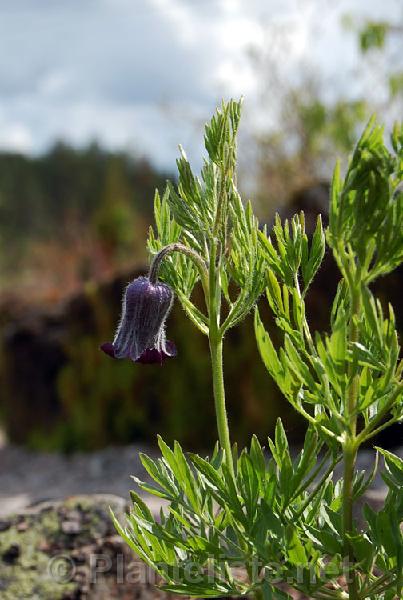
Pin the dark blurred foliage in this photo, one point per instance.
(86, 209)
(374, 36)
(381, 43)
(59, 391)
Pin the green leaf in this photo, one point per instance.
(213, 478)
(267, 351)
(310, 266)
(328, 542)
(364, 550)
(394, 465)
(307, 457)
(257, 457)
(272, 593)
(295, 549)
(249, 484)
(298, 365)
(194, 314)
(137, 501)
(157, 474)
(180, 468)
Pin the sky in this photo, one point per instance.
(144, 75)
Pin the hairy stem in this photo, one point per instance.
(219, 400)
(350, 447)
(216, 353)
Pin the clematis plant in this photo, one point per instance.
(243, 523)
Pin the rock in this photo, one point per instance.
(62, 553)
(11, 554)
(4, 525)
(71, 527)
(22, 526)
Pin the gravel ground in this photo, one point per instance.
(29, 477)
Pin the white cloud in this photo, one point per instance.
(15, 137)
(179, 15)
(104, 68)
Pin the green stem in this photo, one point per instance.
(350, 446)
(216, 353)
(219, 400)
(350, 455)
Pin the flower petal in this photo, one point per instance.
(155, 356)
(144, 311)
(170, 349)
(108, 348)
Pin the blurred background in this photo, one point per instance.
(95, 96)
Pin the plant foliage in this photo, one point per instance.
(240, 523)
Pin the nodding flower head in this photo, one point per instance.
(141, 332)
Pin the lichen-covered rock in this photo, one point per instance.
(69, 550)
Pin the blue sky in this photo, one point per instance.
(145, 74)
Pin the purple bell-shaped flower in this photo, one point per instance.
(141, 332)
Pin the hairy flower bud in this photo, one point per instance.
(141, 332)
